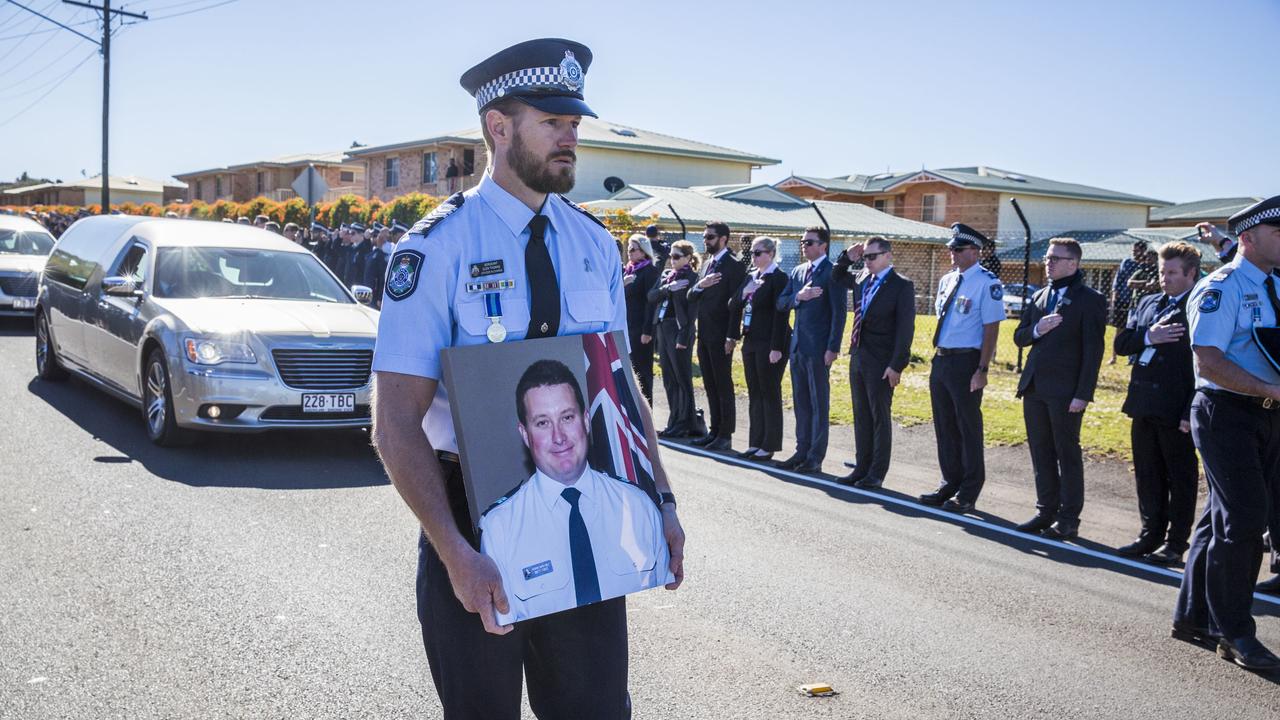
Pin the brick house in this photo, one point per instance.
(87, 192)
(1216, 211)
(610, 156)
(272, 178)
(979, 197)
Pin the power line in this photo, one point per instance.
(48, 30)
(24, 80)
(61, 80)
(189, 12)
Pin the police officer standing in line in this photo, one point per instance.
(510, 259)
(1235, 422)
(1165, 467)
(969, 306)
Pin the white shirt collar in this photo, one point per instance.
(550, 490)
(513, 213)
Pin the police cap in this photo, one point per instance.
(548, 74)
(356, 227)
(398, 227)
(1266, 212)
(963, 236)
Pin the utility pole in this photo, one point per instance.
(107, 16)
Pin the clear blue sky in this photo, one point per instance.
(1175, 99)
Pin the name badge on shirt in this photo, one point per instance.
(487, 267)
(537, 570)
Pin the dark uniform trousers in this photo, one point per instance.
(764, 395)
(1167, 472)
(574, 662)
(811, 395)
(717, 380)
(677, 376)
(642, 365)
(872, 418)
(1240, 445)
(1053, 434)
(957, 424)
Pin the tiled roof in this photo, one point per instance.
(1109, 247)
(323, 158)
(1203, 209)
(137, 184)
(978, 178)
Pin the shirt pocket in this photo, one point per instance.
(473, 320)
(589, 308)
(639, 560)
(528, 588)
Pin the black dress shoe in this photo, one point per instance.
(748, 453)
(1164, 555)
(1060, 532)
(808, 468)
(1035, 524)
(673, 433)
(1271, 587)
(935, 498)
(1249, 654)
(1138, 548)
(719, 445)
(790, 463)
(761, 458)
(849, 480)
(869, 483)
(1194, 634)
(957, 506)
(704, 440)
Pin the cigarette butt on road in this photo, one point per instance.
(817, 690)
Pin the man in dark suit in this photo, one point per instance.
(1161, 388)
(884, 320)
(721, 276)
(820, 307)
(1064, 327)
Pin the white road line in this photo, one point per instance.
(946, 515)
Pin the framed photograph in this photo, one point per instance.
(558, 469)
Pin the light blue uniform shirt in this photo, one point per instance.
(527, 536)
(483, 241)
(979, 301)
(1222, 310)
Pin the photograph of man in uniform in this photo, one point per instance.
(568, 535)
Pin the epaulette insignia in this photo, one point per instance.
(582, 210)
(505, 497)
(433, 218)
(1222, 273)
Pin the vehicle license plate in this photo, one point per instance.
(328, 402)
(23, 303)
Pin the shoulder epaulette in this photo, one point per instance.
(435, 217)
(1221, 273)
(582, 210)
(990, 274)
(505, 497)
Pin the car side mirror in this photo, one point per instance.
(363, 293)
(117, 286)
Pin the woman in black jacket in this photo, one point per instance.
(766, 338)
(639, 276)
(675, 337)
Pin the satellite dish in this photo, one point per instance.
(613, 184)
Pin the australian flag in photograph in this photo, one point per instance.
(619, 446)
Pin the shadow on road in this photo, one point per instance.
(280, 460)
(1019, 542)
(17, 327)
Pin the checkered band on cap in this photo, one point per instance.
(1256, 219)
(549, 78)
(961, 235)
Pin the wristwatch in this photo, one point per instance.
(666, 497)
(982, 369)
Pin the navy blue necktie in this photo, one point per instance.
(585, 581)
(1052, 303)
(544, 287)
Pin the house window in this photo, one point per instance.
(262, 182)
(933, 207)
(884, 205)
(393, 172)
(468, 162)
(429, 167)
(217, 187)
(347, 176)
(199, 191)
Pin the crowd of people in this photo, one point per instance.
(678, 299)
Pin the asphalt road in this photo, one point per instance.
(272, 576)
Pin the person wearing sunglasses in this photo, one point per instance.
(820, 306)
(884, 321)
(639, 276)
(720, 278)
(765, 336)
(1064, 326)
(675, 325)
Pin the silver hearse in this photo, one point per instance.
(24, 247)
(205, 326)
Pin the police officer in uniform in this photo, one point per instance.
(1235, 422)
(969, 306)
(508, 260)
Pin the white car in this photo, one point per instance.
(24, 247)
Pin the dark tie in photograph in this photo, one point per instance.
(585, 581)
